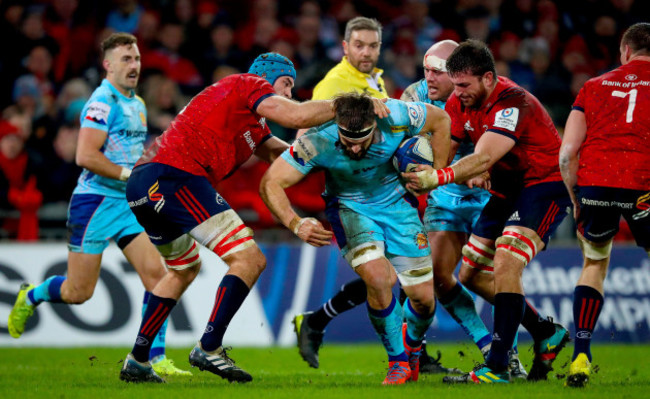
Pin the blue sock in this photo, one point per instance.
(230, 295)
(587, 303)
(388, 325)
(416, 324)
(508, 312)
(158, 308)
(48, 291)
(460, 305)
(158, 346)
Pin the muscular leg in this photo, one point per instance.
(383, 309)
(83, 273)
(446, 249)
(245, 267)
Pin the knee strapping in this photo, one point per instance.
(182, 253)
(365, 253)
(518, 244)
(224, 233)
(413, 271)
(478, 255)
(594, 252)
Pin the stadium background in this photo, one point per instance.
(549, 47)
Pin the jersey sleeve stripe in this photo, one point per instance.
(259, 100)
(504, 133)
(578, 108)
(456, 139)
(268, 136)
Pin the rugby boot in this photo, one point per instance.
(218, 362)
(20, 312)
(163, 365)
(546, 351)
(134, 371)
(579, 372)
(398, 373)
(482, 374)
(309, 340)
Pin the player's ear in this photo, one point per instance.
(488, 78)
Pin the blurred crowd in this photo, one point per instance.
(53, 63)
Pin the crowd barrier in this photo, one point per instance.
(297, 278)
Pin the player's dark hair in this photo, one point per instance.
(116, 40)
(638, 38)
(361, 23)
(355, 111)
(472, 57)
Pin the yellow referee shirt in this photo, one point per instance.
(345, 78)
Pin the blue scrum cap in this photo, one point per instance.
(271, 66)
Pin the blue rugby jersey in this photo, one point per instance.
(125, 121)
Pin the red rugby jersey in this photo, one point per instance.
(513, 112)
(217, 131)
(616, 150)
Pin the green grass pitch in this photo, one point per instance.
(346, 372)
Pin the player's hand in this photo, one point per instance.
(313, 233)
(381, 110)
(423, 179)
(481, 181)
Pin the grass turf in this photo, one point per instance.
(345, 372)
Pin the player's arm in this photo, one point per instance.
(575, 133)
(89, 155)
(489, 149)
(277, 178)
(297, 115)
(438, 124)
(271, 149)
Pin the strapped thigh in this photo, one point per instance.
(519, 244)
(224, 233)
(181, 253)
(478, 255)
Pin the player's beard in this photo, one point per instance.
(352, 155)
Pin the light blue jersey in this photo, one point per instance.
(366, 201)
(371, 180)
(125, 121)
(452, 207)
(418, 92)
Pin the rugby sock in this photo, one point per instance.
(508, 312)
(416, 324)
(460, 305)
(388, 325)
(538, 326)
(230, 295)
(155, 315)
(351, 295)
(587, 303)
(158, 346)
(48, 291)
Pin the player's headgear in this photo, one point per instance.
(271, 66)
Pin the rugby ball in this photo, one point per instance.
(412, 152)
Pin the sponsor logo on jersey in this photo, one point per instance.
(156, 196)
(262, 122)
(143, 119)
(416, 114)
(303, 150)
(630, 77)
(468, 127)
(249, 140)
(421, 240)
(507, 119)
(98, 112)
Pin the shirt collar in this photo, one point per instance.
(113, 89)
